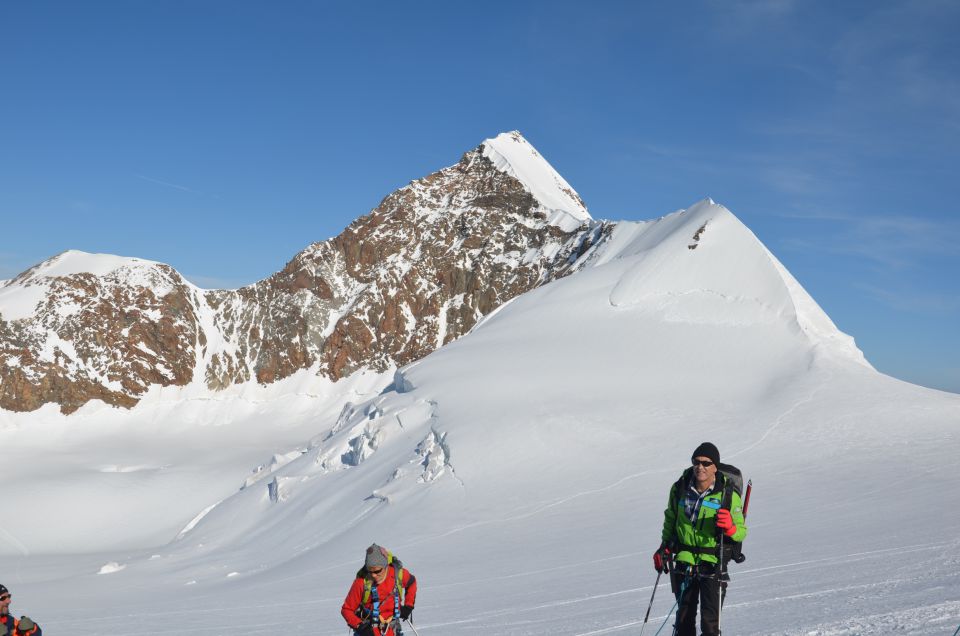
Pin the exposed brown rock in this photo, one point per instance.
(416, 272)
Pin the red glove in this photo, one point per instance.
(661, 559)
(725, 522)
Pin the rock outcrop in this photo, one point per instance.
(415, 273)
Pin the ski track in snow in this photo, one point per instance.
(937, 618)
(517, 575)
(542, 507)
(783, 416)
(545, 506)
(481, 619)
(15, 541)
(743, 576)
(878, 624)
(884, 623)
(852, 557)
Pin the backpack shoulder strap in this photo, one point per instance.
(399, 592)
(726, 500)
(680, 487)
(367, 586)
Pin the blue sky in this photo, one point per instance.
(224, 137)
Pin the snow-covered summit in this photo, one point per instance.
(515, 156)
(415, 273)
(73, 262)
(21, 296)
(702, 265)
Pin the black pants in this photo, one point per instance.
(695, 585)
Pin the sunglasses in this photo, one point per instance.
(5, 597)
(375, 572)
(702, 463)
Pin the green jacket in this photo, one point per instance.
(679, 532)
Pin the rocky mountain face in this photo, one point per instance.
(415, 273)
(91, 336)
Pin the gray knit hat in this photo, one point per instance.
(376, 557)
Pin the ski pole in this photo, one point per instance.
(665, 619)
(647, 617)
(719, 585)
(676, 605)
(410, 623)
(957, 632)
(746, 499)
(746, 505)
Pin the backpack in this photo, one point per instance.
(732, 482)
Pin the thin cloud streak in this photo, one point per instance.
(911, 301)
(741, 17)
(897, 242)
(166, 183)
(791, 180)
(898, 53)
(791, 176)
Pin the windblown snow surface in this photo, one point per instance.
(521, 472)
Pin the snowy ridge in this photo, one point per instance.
(418, 271)
(557, 425)
(20, 297)
(514, 155)
(651, 282)
(73, 262)
(431, 429)
(703, 265)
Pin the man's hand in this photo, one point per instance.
(725, 522)
(661, 559)
(406, 612)
(364, 629)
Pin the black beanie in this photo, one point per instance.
(3, 589)
(707, 449)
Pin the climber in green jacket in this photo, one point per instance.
(703, 506)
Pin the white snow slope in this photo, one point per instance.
(521, 472)
(514, 155)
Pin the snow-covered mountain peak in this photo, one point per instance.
(418, 271)
(702, 265)
(21, 296)
(515, 156)
(73, 262)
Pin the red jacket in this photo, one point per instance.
(352, 611)
(8, 625)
